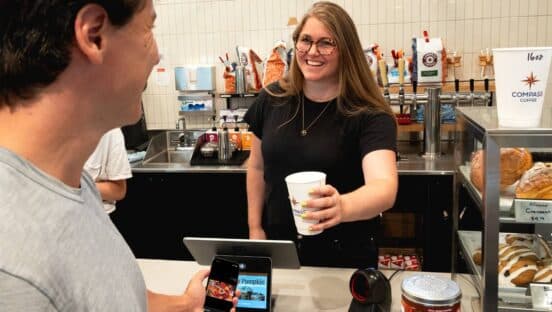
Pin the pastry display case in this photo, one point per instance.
(506, 173)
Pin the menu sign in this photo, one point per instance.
(533, 211)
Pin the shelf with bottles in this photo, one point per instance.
(478, 129)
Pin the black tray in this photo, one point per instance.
(238, 157)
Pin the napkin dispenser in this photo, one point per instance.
(194, 78)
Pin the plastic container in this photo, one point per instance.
(246, 137)
(428, 293)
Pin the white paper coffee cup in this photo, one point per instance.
(299, 184)
(521, 76)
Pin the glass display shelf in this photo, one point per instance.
(510, 298)
(478, 128)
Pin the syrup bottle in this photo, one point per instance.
(246, 137)
(235, 135)
(212, 134)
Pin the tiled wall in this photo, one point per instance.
(199, 31)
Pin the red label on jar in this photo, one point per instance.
(409, 306)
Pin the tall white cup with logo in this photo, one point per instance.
(299, 185)
(521, 76)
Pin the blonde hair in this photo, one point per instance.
(358, 91)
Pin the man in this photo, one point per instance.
(69, 72)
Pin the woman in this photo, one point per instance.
(326, 115)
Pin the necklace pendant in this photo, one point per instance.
(303, 132)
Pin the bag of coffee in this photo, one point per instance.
(429, 57)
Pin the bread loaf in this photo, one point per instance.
(513, 163)
(536, 183)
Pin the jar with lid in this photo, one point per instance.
(428, 293)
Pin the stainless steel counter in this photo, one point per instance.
(411, 163)
(415, 164)
(139, 167)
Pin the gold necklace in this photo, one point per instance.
(304, 130)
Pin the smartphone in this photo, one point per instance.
(221, 285)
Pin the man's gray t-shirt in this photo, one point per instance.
(59, 251)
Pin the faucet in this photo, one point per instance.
(183, 123)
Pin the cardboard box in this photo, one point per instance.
(400, 259)
(399, 224)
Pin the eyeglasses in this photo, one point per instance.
(324, 46)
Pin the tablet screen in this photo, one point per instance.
(254, 291)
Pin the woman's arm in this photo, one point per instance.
(375, 196)
(255, 190)
(379, 190)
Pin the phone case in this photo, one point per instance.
(221, 285)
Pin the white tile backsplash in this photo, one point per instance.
(532, 7)
(532, 31)
(199, 31)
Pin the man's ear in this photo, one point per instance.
(91, 25)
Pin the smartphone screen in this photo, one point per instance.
(221, 285)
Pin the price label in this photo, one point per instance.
(533, 211)
(541, 295)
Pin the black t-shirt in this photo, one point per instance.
(335, 144)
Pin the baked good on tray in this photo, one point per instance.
(477, 257)
(544, 274)
(517, 271)
(508, 252)
(513, 163)
(536, 183)
(522, 259)
(519, 239)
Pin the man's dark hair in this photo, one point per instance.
(36, 37)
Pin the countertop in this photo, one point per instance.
(305, 289)
(411, 162)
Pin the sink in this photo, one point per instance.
(168, 147)
(183, 155)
